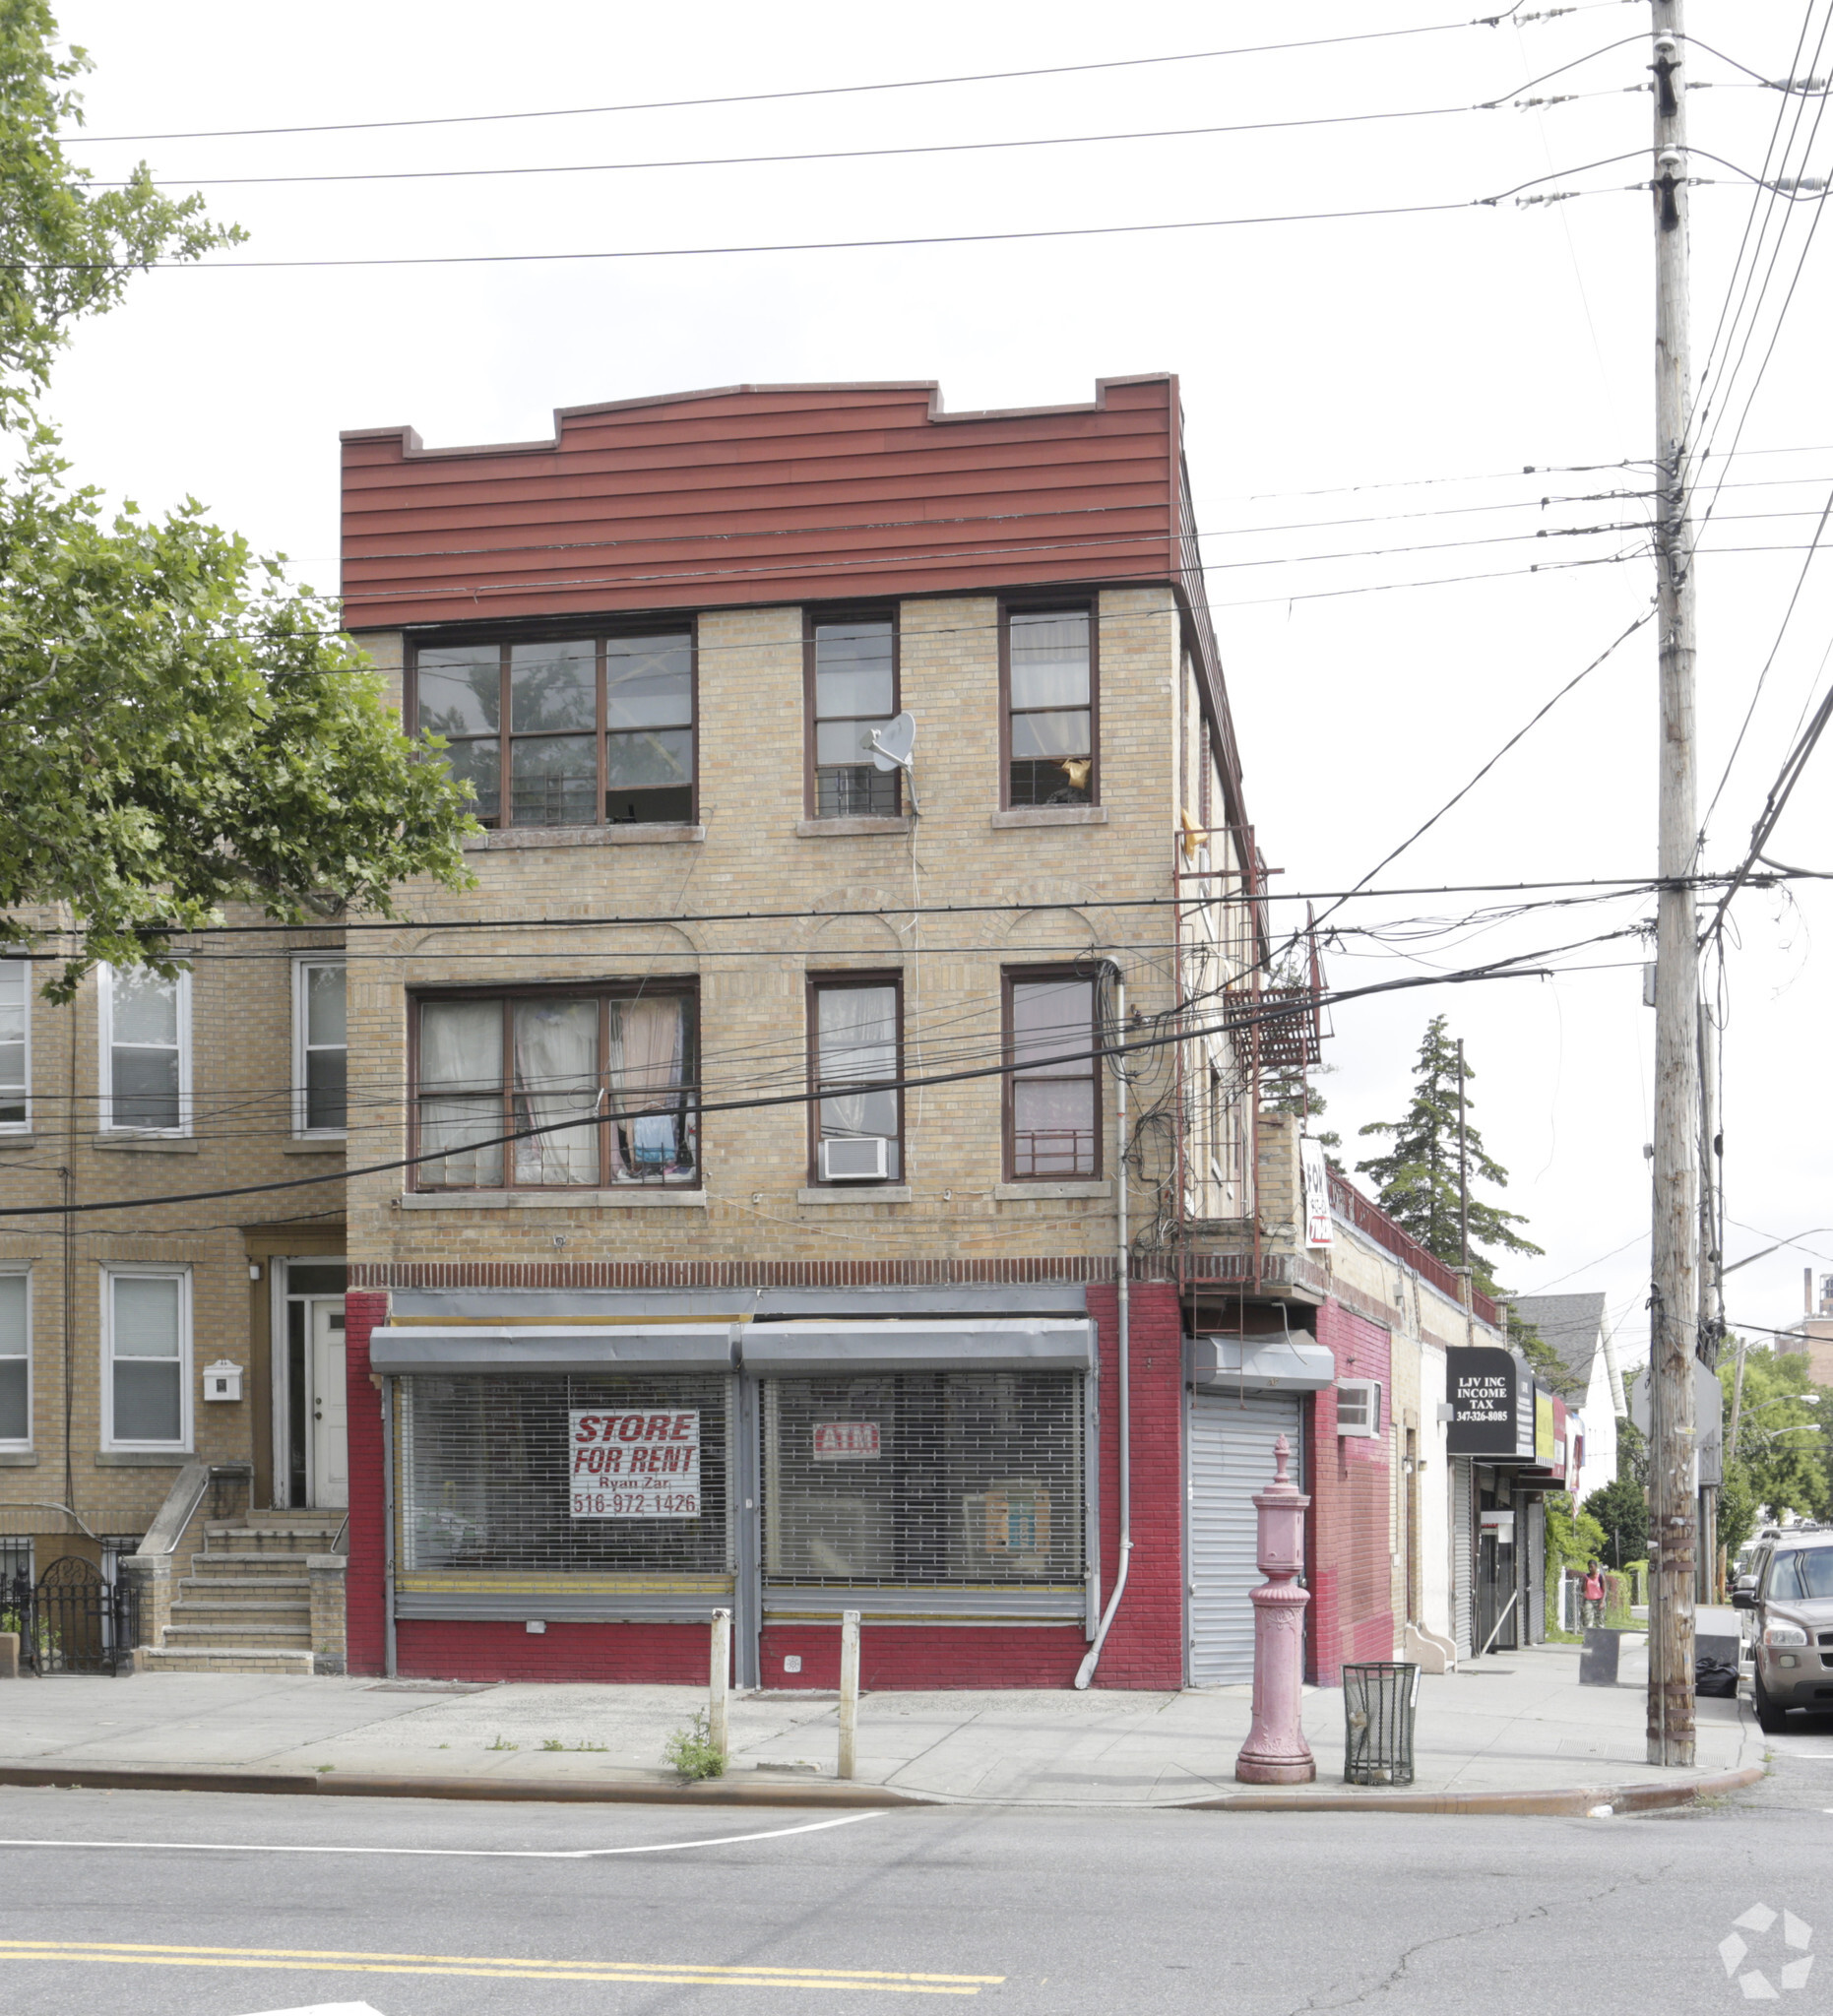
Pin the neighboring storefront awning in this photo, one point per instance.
(813, 1350)
(1262, 1365)
(555, 1348)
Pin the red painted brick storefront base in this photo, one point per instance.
(1347, 1542)
(1144, 1648)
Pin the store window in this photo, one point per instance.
(925, 1478)
(319, 1099)
(855, 1037)
(1053, 1108)
(15, 1360)
(610, 1073)
(1050, 681)
(146, 1050)
(566, 731)
(852, 682)
(14, 1046)
(618, 1474)
(147, 1345)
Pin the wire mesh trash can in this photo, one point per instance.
(1379, 1697)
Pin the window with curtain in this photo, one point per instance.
(1050, 706)
(855, 677)
(15, 1361)
(148, 1358)
(320, 1048)
(14, 1046)
(146, 1050)
(856, 1033)
(601, 1086)
(1053, 1092)
(566, 731)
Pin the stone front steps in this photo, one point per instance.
(246, 1605)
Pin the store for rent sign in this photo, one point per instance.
(639, 1463)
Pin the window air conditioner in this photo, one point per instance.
(1358, 1406)
(855, 1158)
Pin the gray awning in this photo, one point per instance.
(549, 1348)
(1262, 1365)
(808, 1351)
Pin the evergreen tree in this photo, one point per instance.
(1418, 1178)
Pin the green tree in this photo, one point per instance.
(1782, 1442)
(179, 729)
(1623, 1513)
(1737, 1509)
(1417, 1177)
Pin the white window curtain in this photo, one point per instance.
(556, 1080)
(653, 1136)
(856, 1036)
(462, 1092)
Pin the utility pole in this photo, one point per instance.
(1463, 1170)
(1674, 1303)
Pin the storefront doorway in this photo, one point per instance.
(1497, 1612)
(310, 1407)
(1230, 1458)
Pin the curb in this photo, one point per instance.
(1573, 1802)
(351, 1785)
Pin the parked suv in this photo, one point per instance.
(1790, 1598)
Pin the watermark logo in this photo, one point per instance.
(1735, 1950)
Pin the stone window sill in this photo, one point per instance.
(322, 1144)
(17, 1141)
(851, 829)
(144, 1459)
(19, 1458)
(147, 1144)
(1022, 1193)
(582, 836)
(1053, 815)
(855, 1193)
(551, 1200)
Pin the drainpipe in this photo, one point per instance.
(1123, 1266)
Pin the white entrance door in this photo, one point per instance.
(1231, 1459)
(328, 1440)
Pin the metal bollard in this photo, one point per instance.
(849, 1690)
(719, 1693)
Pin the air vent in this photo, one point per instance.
(1358, 1406)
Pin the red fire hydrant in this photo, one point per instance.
(1276, 1752)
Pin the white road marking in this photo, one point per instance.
(538, 1854)
(326, 2009)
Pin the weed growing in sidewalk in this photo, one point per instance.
(693, 1753)
(500, 1744)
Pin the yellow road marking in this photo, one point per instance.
(679, 1973)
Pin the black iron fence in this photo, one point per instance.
(72, 1619)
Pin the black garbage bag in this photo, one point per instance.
(1715, 1677)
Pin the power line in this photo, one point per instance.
(810, 92)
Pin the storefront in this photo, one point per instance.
(633, 1476)
(1507, 1439)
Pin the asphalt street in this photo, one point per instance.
(219, 1905)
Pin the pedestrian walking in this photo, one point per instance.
(1593, 1594)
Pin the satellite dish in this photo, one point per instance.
(892, 744)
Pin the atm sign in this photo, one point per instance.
(846, 1441)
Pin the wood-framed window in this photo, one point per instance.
(855, 1043)
(851, 685)
(320, 1049)
(579, 731)
(1052, 1099)
(146, 1317)
(1049, 710)
(611, 1070)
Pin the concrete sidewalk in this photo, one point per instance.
(1516, 1723)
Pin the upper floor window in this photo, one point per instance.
(853, 685)
(855, 1042)
(610, 1072)
(319, 1049)
(1054, 1092)
(146, 1348)
(1050, 725)
(146, 1050)
(578, 731)
(14, 1046)
(15, 1361)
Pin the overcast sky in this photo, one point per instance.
(1372, 385)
